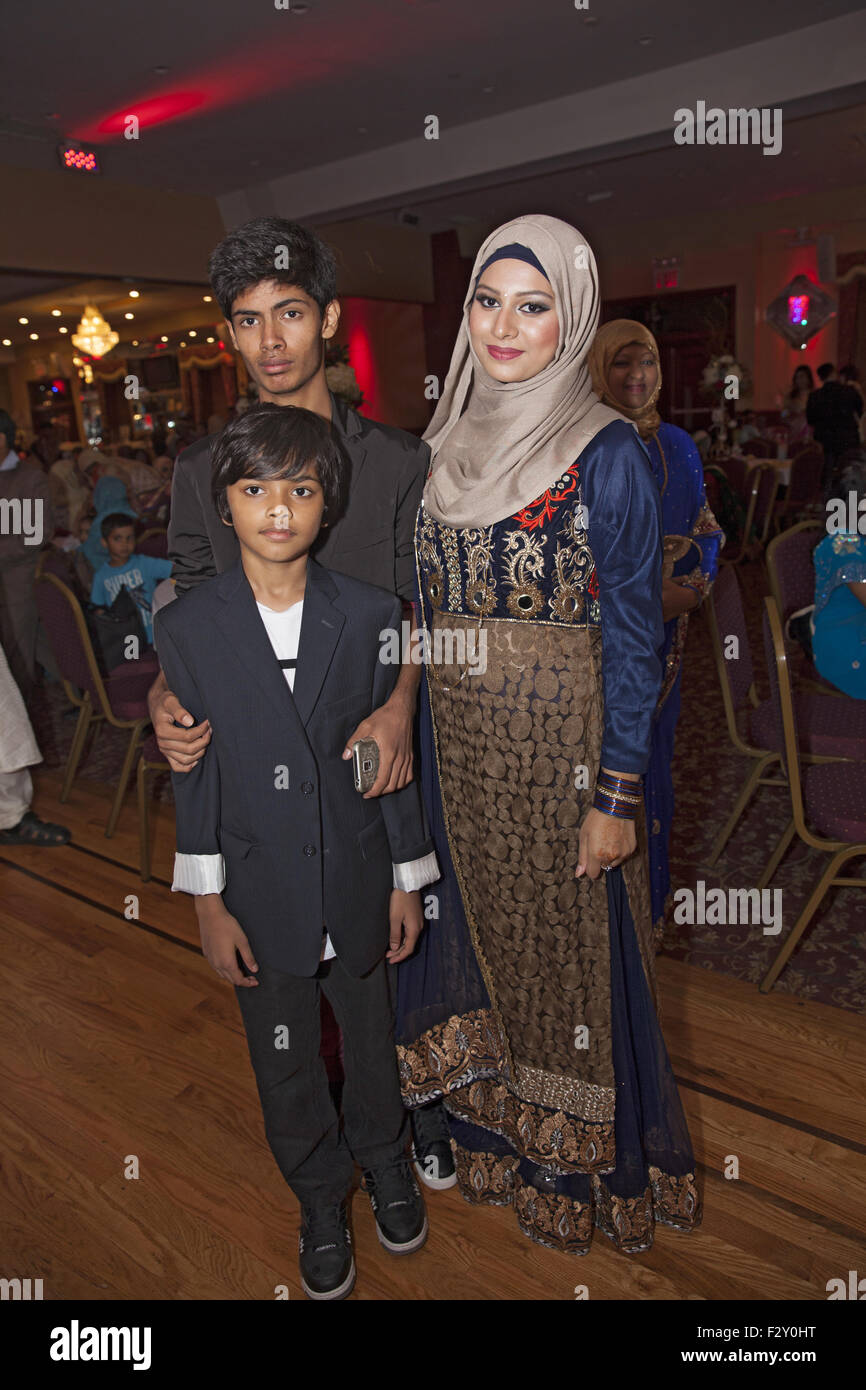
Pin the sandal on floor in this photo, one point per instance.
(30, 830)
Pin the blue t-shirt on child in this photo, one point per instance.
(140, 575)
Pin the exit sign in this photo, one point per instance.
(666, 273)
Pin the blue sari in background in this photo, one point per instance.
(692, 543)
(839, 620)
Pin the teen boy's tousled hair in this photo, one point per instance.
(113, 522)
(278, 441)
(825, 371)
(271, 248)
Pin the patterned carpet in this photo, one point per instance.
(829, 964)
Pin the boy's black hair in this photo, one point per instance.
(825, 370)
(113, 522)
(279, 441)
(272, 248)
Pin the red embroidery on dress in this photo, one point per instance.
(592, 583)
(547, 503)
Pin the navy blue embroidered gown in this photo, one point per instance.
(530, 1002)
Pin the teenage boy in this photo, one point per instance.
(124, 569)
(276, 284)
(293, 871)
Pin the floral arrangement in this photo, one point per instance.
(340, 375)
(719, 367)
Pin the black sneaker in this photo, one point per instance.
(431, 1146)
(401, 1221)
(325, 1250)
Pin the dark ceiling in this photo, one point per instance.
(230, 94)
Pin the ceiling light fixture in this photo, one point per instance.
(55, 313)
(7, 342)
(23, 320)
(94, 336)
(127, 315)
(134, 294)
(63, 329)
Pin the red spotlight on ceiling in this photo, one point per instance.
(74, 157)
(150, 112)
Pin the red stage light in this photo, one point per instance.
(72, 157)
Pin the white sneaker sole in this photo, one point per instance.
(404, 1249)
(438, 1184)
(342, 1291)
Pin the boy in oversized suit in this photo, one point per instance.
(298, 879)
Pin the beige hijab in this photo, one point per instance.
(497, 446)
(609, 341)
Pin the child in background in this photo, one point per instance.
(138, 573)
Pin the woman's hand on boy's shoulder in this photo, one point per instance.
(407, 921)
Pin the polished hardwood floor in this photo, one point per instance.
(119, 1044)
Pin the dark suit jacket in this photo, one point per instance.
(373, 540)
(833, 411)
(314, 853)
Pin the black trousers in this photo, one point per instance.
(281, 1018)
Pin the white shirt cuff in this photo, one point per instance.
(199, 874)
(416, 873)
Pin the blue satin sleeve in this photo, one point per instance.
(624, 526)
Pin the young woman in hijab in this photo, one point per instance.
(624, 365)
(530, 1006)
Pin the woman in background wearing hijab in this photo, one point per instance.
(624, 365)
(530, 1004)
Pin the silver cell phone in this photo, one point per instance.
(365, 763)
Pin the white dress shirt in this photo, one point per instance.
(205, 873)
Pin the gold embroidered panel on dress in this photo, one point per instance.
(510, 568)
(555, 1140)
(462, 1049)
(562, 1223)
(509, 741)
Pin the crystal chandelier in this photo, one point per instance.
(94, 336)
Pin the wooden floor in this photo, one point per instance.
(116, 1039)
